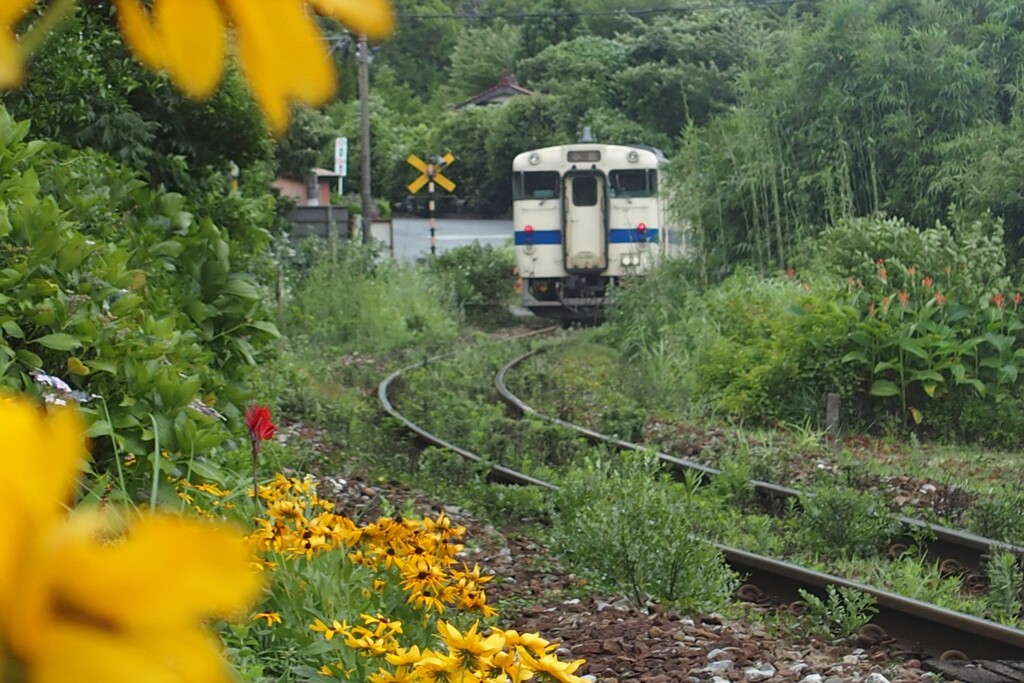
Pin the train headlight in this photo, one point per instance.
(630, 260)
(632, 156)
(534, 159)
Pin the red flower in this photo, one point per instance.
(1016, 299)
(912, 270)
(939, 299)
(790, 273)
(904, 298)
(882, 273)
(261, 428)
(927, 281)
(998, 300)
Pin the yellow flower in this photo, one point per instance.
(469, 650)
(270, 617)
(12, 62)
(549, 669)
(90, 597)
(277, 45)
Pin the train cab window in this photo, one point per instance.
(584, 191)
(642, 182)
(535, 185)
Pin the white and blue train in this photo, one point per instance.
(586, 215)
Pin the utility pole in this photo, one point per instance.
(364, 137)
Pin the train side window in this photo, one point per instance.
(584, 191)
(535, 185)
(634, 182)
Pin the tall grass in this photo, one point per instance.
(360, 303)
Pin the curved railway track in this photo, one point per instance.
(957, 645)
(960, 551)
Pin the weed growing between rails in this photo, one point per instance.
(365, 602)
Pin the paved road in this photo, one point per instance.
(412, 235)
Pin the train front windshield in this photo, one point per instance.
(642, 182)
(535, 185)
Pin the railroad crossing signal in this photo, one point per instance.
(431, 172)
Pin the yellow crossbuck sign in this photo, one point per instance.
(431, 172)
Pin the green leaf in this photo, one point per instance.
(208, 470)
(266, 326)
(243, 289)
(58, 341)
(857, 356)
(915, 349)
(13, 329)
(883, 387)
(99, 428)
(921, 375)
(916, 415)
(29, 359)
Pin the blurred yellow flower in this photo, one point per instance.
(12, 62)
(277, 44)
(89, 597)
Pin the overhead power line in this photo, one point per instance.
(636, 12)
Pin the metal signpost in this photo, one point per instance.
(431, 175)
(341, 162)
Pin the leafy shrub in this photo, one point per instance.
(481, 279)
(999, 515)
(970, 253)
(127, 294)
(1005, 587)
(843, 522)
(842, 612)
(624, 525)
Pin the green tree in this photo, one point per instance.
(551, 22)
(480, 57)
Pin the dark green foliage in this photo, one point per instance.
(481, 279)
(857, 108)
(309, 143)
(125, 293)
(552, 22)
(844, 523)
(88, 91)
(621, 524)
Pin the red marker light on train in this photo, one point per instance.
(641, 228)
(528, 229)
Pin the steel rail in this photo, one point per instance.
(966, 549)
(919, 628)
(496, 473)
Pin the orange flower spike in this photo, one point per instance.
(939, 299)
(904, 298)
(999, 300)
(927, 282)
(1016, 299)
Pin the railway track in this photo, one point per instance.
(958, 646)
(959, 551)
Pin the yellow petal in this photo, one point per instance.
(192, 35)
(12, 61)
(375, 18)
(139, 33)
(77, 367)
(76, 652)
(282, 57)
(41, 458)
(167, 571)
